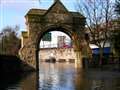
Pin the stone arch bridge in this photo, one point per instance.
(58, 18)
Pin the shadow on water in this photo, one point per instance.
(24, 81)
(12, 75)
(61, 76)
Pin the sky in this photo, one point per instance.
(12, 12)
(53, 42)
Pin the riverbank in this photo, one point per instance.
(12, 64)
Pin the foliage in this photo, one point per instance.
(9, 41)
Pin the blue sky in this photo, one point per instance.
(12, 12)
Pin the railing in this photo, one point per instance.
(55, 46)
(48, 46)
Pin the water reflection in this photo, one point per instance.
(56, 76)
(62, 76)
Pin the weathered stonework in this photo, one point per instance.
(57, 18)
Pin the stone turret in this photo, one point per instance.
(56, 0)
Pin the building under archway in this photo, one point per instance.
(56, 46)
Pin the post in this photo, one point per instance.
(77, 49)
(78, 60)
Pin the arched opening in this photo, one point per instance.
(54, 43)
(50, 73)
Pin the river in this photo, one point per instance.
(62, 76)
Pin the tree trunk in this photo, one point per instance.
(100, 56)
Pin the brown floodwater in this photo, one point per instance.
(63, 76)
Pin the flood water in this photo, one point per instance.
(62, 76)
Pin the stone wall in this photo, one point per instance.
(12, 64)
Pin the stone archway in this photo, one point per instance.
(41, 21)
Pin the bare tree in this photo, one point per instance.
(99, 15)
(116, 34)
(117, 7)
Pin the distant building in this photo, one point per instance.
(61, 41)
(95, 49)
